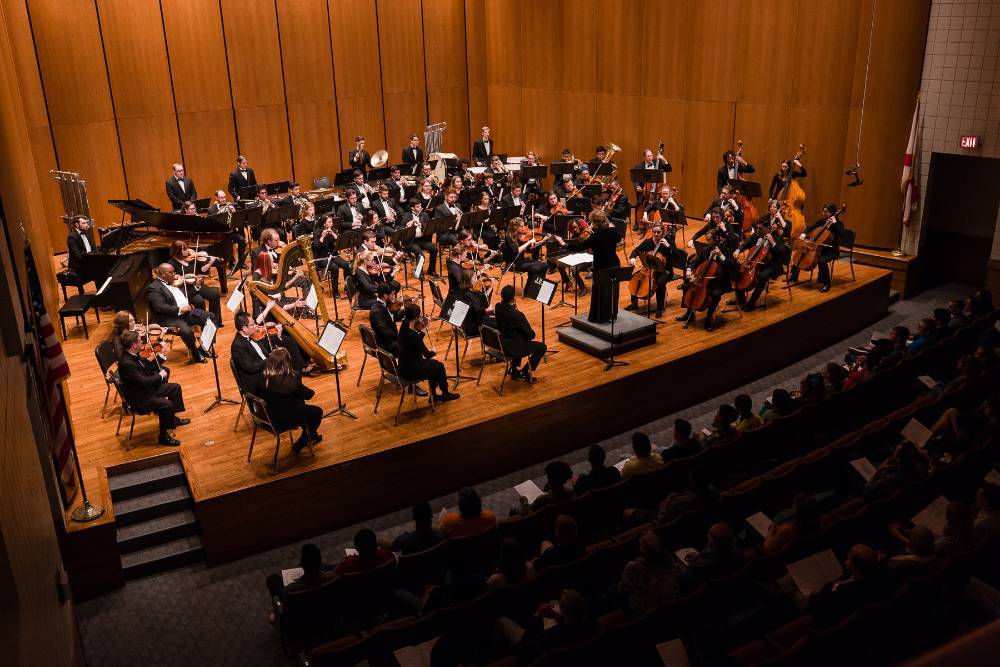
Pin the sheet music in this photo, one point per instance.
(458, 313)
(418, 270)
(760, 522)
(332, 338)
(812, 573)
(993, 477)
(933, 516)
(104, 286)
(545, 292)
(529, 490)
(208, 330)
(916, 433)
(864, 468)
(291, 574)
(673, 653)
(878, 335)
(928, 380)
(621, 464)
(311, 299)
(415, 656)
(576, 258)
(684, 554)
(235, 301)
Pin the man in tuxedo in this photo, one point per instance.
(726, 201)
(518, 336)
(733, 165)
(482, 149)
(351, 214)
(448, 207)
(180, 188)
(417, 218)
(145, 388)
(249, 356)
(397, 188)
(237, 237)
(387, 209)
(293, 196)
(170, 307)
(514, 198)
(241, 177)
(413, 154)
(361, 188)
(358, 157)
(78, 245)
(383, 321)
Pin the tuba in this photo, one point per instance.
(298, 250)
(612, 148)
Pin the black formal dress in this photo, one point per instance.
(518, 336)
(482, 151)
(665, 249)
(164, 310)
(604, 244)
(146, 391)
(828, 253)
(415, 362)
(511, 257)
(285, 397)
(778, 183)
(778, 256)
(328, 257)
(178, 193)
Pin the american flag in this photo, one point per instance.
(54, 371)
(909, 184)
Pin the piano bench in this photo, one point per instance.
(71, 279)
(77, 306)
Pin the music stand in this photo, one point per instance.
(208, 331)
(456, 317)
(330, 340)
(611, 278)
(537, 172)
(401, 238)
(559, 169)
(749, 189)
(542, 291)
(581, 205)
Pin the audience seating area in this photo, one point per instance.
(749, 616)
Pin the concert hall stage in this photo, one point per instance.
(369, 467)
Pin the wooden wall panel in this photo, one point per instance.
(197, 51)
(92, 150)
(714, 72)
(314, 140)
(662, 120)
(820, 130)
(452, 106)
(618, 118)
(263, 133)
(707, 126)
(503, 48)
(826, 41)
(665, 57)
(577, 20)
(209, 148)
(446, 62)
(475, 47)
(252, 47)
(767, 138)
(619, 69)
(764, 68)
(578, 123)
(404, 93)
(508, 127)
(354, 31)
(149, 147)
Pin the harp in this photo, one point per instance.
(298, 251)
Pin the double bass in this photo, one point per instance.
(792, 198)
(746, 204)
(806, 255)
(696, 296)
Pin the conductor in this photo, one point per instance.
(603, 242)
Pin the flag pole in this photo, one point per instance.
(909, 185)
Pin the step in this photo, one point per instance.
(143, 482)
(629, 326)
(163, 557)
(598, 346)
(156, 531)
(150, 506)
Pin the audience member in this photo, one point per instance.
(811, 389)
(369, 554)
(470, 518)
(905, 466)
(649, 580)
(314, 575)
(685, 443)
(719, 558)
(557, 475)
(987, 525)
(599, 476)
(723, 429)
(805, 522)
(423, 536)
(863, 582)
(513, 566)
(924, 337)
(780, 405)
(645, 459)
(956, 311)
(919, 559)
(567, 547)
(959, 533)
(573, 625)
(699, 495)
(834, 376)
(746, 419)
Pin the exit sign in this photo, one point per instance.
(970, 141)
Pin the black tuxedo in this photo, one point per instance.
(408, 157)
(176, 195)
(77, 251)
(518, 336)
(421, 243)
(237, 181)
(507, 200)
(346, 215)
(146, 391)
(163, 310)
(383, 323)
(362, 193)
(415, 361)
(481, 153)
(397, 190)
(382, 207)
(248, 363)
(358, 159)
(449, 237)
(722, 177)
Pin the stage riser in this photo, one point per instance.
(293, 508)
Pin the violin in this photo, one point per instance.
(806, 255)
(185, 279)
(398, 304)
(265, 331)
(696, 296)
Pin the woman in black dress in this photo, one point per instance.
(603, 242)
(282, 391)
(415, 362)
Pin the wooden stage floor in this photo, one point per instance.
(367, 467)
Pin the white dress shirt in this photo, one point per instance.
(179, 297)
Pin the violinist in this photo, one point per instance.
(660, 245)
(369, 274)
(478, 301)
(486, 230)
(447, 208)
(383, 320)
(711, 251)
(171, 307)
(358, 157)
(415, 360)
(515, 250)
(457, 183)
(725, 232)
(270, 242)
(616, 203)
(145, 387)
(265, 272)
(386, 208)
(828, 252)
(570, 190)
(560, 186)
(351, 212)
(306, 223)
(326, 254)
(124, 321)
(773, 236)
(732, 166)
(285, 396)
(417, 219)
(192, 268)
(250, 348)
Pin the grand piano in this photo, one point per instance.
(128, 252)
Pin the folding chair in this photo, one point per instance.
(369, 345)
(261, 419)
(243, 397)
(127, 409)
(493, 349)
(390, 372)
(105, 353)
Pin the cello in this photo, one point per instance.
(751, 263)
(640, 285)
(696, 296)
(792, 198)
(746, 204)
(806, 255)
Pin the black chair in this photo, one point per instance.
(351, 290)
(390, 372)
(127, 409)
(105, 353)
(70, 278)
(243, 397)
(77, 306)
(261, 419)
(492, 344)
(303, 617)
(437, 298)
(846, 250)
(369, 345)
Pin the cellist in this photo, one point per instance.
(711, 251)
(664, 202)
(828, 252)
(764, 233)
(663, 246)
(726, 233)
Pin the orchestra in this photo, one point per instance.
(492, 212)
